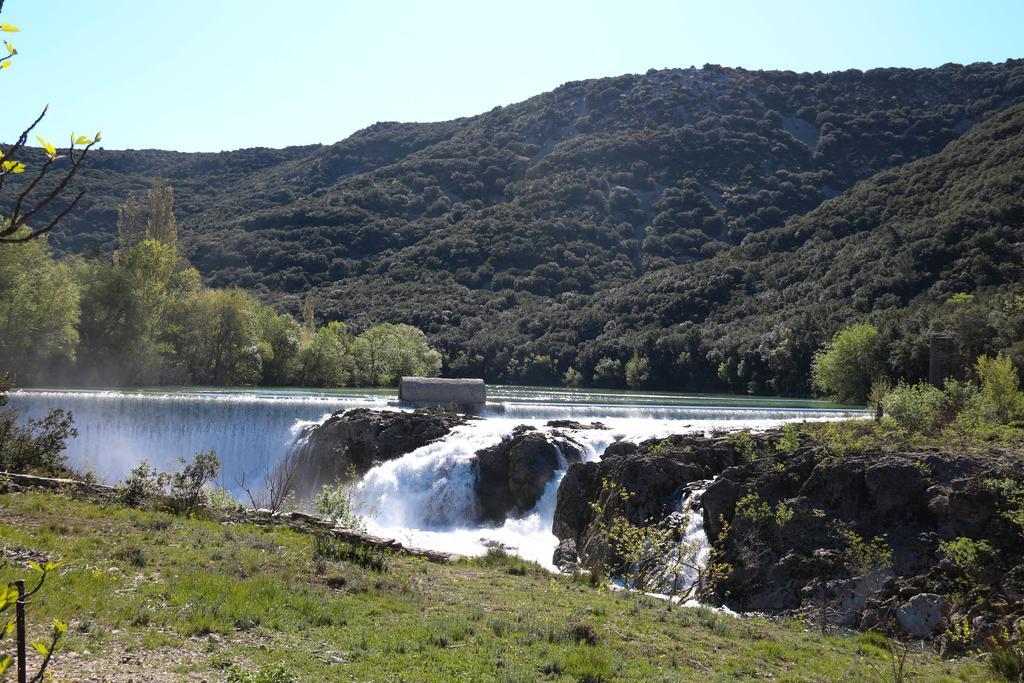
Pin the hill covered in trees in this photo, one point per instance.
(679, 216)
(936, 245)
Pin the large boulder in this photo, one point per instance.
(353, 441)
(923, 615)
(577, 490)
(511, 476)
(718, 505)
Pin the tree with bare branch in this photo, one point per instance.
(33, 200)
(276, 492)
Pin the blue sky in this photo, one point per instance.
(224, 74)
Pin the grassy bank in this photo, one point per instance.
(157, 597)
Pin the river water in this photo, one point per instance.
(424, 498)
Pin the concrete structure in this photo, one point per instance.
(468, 395)
(942, 358)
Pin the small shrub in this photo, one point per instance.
(967, 553)
(141, 484)
(746, 445)
(219, 498)
(188, 487)
(132, 554)
(1000, 398)
(661, 447)
(1006, 658)
(915, 407)
(587, 664)
(582, 632)
(38, 446)
(863, 556)
(959, 396)
(789, 439)
(335, 503)
(275, 673)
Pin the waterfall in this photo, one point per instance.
(729, 416)
(681, 573)
(425, 498)
(118, 429)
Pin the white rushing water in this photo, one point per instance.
(424, 498)
(117, 429)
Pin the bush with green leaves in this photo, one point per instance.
(273, 673)
(185, 491)
(862, 555)
(608, 372)
(188, 486)
(143, 483)
(638, 371)
(1000, 398)
(969, 554)
(335, 503)
(1006, 656)
(652, 556)
(915, 407)
(846, 367)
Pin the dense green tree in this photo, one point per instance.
(323, 357)
(125, 306)
(1000, 398)
(845, 368)
(148, 218)
(638, 369)
(216, 337)
(385, 353)
(280, 335)
(39, 309)
(608, 372)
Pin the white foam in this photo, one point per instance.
(424, 498)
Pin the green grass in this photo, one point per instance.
(199, 599)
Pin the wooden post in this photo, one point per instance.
(22, 637)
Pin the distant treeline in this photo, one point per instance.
(143, 317)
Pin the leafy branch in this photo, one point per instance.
(29, 203)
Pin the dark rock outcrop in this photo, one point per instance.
(573, 424)
(655, 471)
(511, 475)
(800, 527)
(857, 535)
(356, 440)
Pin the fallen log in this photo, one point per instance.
(303, 521)
(53, 483)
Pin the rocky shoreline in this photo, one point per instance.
(913, 542)
(917, 543)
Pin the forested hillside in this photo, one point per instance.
(936, 245)
(601, 220)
